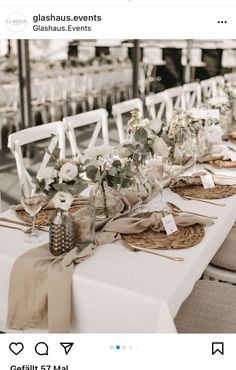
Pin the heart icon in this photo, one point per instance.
(16, 348)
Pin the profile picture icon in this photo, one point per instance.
(16, 22)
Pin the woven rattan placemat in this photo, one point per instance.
(184, 237)
(198, 191)
(43, 217)
(223, 164)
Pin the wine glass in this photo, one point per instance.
(140, 185)
(182, 147)
(198, 143)
(32, 202)
(161, 168)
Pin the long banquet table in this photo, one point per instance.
(120, 291)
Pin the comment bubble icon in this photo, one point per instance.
(41, 349)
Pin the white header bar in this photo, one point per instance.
(122, 22)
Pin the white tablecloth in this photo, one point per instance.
(120, 291)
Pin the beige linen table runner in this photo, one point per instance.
(40, 284)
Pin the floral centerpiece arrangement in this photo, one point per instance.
(143, 140)
(109, 174)
(230, 90)
(223, 104)
(193, 120)
(61, 180)
(220, 102)
(189, 131)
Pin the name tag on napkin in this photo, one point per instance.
(207, 181)
(169, 224)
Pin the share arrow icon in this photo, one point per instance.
(67, 346)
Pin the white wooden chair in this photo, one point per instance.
(97, 116)
(54, 130)
(175, 100)
(208, 89)
(192, 95)
(124, 107)
(158, 106)
(218, 83)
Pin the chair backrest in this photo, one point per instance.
(192, 95)
(208, 89)
(99, 117)
(121, 108)
(157, 106)
(53, 131)
(175, 100)
(218, 83)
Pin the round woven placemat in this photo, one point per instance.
(198, 191)
(184, 237)
(43, 217)
(223, 164)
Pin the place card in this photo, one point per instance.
(207, 181)
(169, 224)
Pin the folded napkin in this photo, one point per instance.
(195, 179)
(232, 134)
(217, 151)
(137, 224)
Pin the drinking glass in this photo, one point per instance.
(84, 221)
(198, 143)
(161, 168)
(32, 202)
(182, 145)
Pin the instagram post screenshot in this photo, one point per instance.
(117, 185)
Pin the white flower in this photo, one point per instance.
(159, 147)
(48, 173)
(97, 151)
(62, 200)
(68, 171)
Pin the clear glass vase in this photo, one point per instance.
(105, 201)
